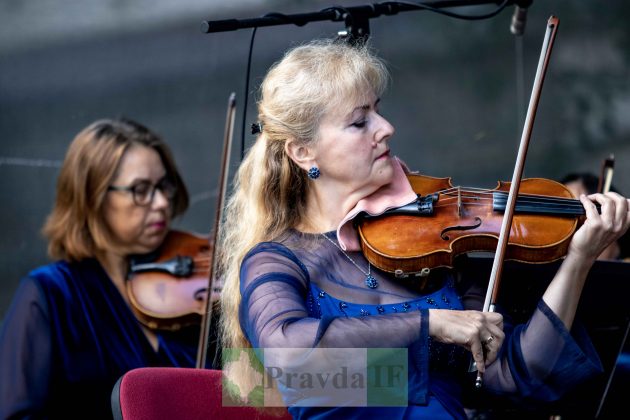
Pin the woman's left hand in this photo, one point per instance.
(600, 229)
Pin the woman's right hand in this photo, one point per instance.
(481, 333)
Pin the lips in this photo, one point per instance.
(386, 154)
(158, 225)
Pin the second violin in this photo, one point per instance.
(168, 289)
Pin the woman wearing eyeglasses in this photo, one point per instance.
(70, 333)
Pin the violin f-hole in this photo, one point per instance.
(444, 236)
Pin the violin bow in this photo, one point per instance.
(204, 334)
(506, 226)
(605, 177)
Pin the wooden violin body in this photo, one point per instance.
(168, 290)
(466, 220)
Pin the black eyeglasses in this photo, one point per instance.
(144, 191)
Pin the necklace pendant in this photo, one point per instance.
(371, 282)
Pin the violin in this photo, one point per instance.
(168, 288)
(447, 221)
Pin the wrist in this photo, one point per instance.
(432, 322)
(579, 259)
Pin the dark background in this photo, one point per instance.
(455, 97)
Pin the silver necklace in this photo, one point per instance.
(370, 281)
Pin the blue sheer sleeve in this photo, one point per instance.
(25, 354)
(541, 360)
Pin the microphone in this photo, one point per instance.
(519, 18)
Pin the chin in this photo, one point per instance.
(152, 243)
(386, 175)
(143, 249)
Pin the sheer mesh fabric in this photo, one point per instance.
(278, 279)
(275, 281)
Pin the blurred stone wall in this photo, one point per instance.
(455, 98)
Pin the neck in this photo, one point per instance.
(326, 210)
(116, 266)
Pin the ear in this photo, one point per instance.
(300, 154)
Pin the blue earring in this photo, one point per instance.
(314, 173)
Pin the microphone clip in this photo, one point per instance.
(519, 18)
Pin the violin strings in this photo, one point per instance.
(552, 201)
(489, 192)
(492, 193)
(521, 198)
(525, 202)
(565, 203)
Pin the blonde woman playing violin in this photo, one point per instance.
(294, 280)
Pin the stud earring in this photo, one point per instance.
(314, 173)
(257, 128)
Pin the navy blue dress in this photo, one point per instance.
(300, 291)
(67, 338)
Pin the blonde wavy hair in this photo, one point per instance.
(76, 226)
(270, 190)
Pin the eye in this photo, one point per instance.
(142, 189)
(360, 123)
(167, 186)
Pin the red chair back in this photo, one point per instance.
(154, 393)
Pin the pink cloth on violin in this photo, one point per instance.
(395, 194)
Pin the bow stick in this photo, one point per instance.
(497, 266)
(202, 350)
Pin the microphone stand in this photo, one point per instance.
(356, 18)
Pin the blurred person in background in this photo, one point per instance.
(70, 332)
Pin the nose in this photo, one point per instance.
(385, 130)
(160, 200)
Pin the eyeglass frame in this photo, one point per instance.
(160, 185)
